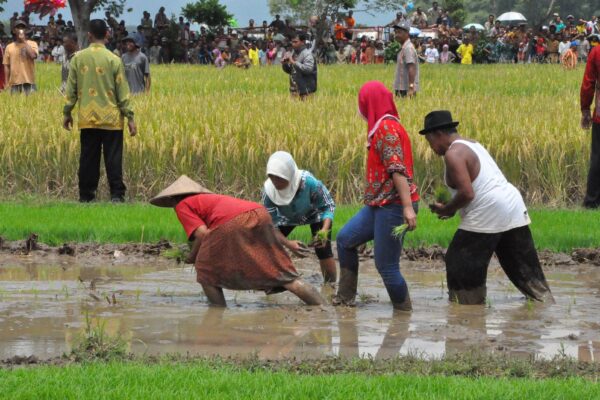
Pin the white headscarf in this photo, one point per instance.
(282, 165)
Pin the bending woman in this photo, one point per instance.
(294, 197)
(233, 244)
(390, 199)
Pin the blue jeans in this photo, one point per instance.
(376, 223)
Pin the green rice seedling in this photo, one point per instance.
(399, 231)
(488, 302)
(442, 195)
(530, 304)
(321, 238)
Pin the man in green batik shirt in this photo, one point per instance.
(97, 81)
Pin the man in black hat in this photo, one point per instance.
(494, 218)
(137, 67)
(406, 83)
(19, 61)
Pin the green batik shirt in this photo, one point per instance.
(97, 81)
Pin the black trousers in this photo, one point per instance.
(322, 253)
(469, 255)
(94, 142)
(592, 196)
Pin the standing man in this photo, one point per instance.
(494, 218)
(489, 25)
(302, 68)
(19, 61)
(590, 88)
(137, 67)
(406, 83)
(70, 45)
(97, 81)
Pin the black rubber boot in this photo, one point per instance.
(346, 294)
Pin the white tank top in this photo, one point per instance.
(497, 206)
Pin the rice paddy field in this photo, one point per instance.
(220, 126)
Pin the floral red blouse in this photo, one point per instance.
(390, 152)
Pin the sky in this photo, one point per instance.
(243, 10)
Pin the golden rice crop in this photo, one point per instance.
(220, 126)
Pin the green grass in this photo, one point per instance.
(60, 222)
(201, 381)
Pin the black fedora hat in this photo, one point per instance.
(436, 120)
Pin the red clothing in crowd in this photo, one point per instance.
(390, 150)
(210, 210)
(590, 86)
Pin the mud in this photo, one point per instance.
(143, 251)
(156, 306)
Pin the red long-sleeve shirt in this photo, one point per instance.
(590, 86)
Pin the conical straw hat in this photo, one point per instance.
(182, 186)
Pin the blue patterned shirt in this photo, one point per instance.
(311, 204)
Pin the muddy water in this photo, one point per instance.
(158, 308)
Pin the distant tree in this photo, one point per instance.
(2, 2)
(302, 10)
(81, 10)
(209, 12)
(537, 12)
(456, 9)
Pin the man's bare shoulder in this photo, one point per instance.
(460, 151)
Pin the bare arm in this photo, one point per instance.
(412, 73)
(148, 83)
(458, 173)
(31, 50)
(403, 190)
(7, 73)
(198, 235)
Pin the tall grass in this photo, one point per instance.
(220, 127)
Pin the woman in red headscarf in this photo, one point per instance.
(390, 199)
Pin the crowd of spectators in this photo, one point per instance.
(338, 40)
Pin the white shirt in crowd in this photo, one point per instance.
(58, 54)
(563, 47)
(432, 55)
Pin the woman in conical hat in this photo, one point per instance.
(295, 197)
(233, 243)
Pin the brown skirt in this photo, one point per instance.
(244, 254)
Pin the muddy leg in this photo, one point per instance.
(329, 270)
(215, 295)
(359, 230)
(519, 259)
(305, 292)
(467, 261)
(346, 294)
(406, 305)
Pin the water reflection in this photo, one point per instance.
(160, 309)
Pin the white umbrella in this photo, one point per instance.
(479, 27)
(511, 17)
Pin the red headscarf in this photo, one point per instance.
(375, 103)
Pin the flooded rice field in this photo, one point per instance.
(157, 307)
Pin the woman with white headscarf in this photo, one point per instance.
(295, 197)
